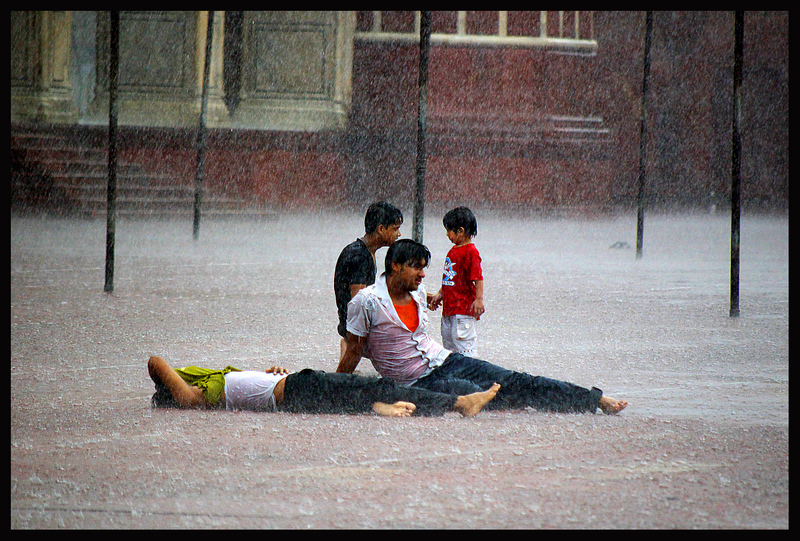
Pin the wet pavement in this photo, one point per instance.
(703, 444)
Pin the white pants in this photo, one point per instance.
(459, 334)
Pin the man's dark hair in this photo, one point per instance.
(461, 217)
(406, 251)
(381, 213)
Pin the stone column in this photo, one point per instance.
(41, 90)
(217, 114)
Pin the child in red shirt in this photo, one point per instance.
(461, 294)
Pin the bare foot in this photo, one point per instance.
(470, 405)
(612, 405)
(398, 409)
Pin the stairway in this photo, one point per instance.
(65, 175)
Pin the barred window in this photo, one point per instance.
(569, 31)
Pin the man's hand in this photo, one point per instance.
(277, 370)
(434, 301)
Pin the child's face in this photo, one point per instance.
(457, 237)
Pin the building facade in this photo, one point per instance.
(526, 110)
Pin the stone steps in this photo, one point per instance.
(56, 173)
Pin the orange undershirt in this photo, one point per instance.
(409, 315)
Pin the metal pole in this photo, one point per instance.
(424, 50)
(113, 113)
(643, 135)
(201, 128)
(736, 144)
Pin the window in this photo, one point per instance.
(569, 31)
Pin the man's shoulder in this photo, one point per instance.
(354, 253)
(353, 256)
(368, 296)
(355, 246)
(368, 292)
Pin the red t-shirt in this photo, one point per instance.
(461, 268)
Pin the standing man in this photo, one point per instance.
(388, 323)
(356, 268)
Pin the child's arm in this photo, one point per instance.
(477, 305)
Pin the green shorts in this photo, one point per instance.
(211, 382)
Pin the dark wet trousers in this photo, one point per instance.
(314, 391)
(463, 375)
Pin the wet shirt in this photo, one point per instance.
(395, 351)
(251, 390)
(354, 266)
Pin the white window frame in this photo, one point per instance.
(501, 39)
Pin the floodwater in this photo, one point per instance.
(703, 444)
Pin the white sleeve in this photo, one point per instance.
(359, 314)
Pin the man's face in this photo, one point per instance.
(389, 234)
(409, 275)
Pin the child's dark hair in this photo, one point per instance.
(461, 217)
(407, 251)
(381, 213)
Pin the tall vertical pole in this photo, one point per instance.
(201, 128)
(424, 50)
(648, 32)
(736, 144)
(113, 113)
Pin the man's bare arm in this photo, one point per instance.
(352, 355)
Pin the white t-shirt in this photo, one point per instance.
(395, 352)
(251, 390)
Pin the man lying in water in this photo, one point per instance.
(307, 391)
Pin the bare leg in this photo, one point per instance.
(398, 409)
(470, 405)
(612, 405)
(184, 394)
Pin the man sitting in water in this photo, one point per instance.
(388, 323)
(307, 391)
